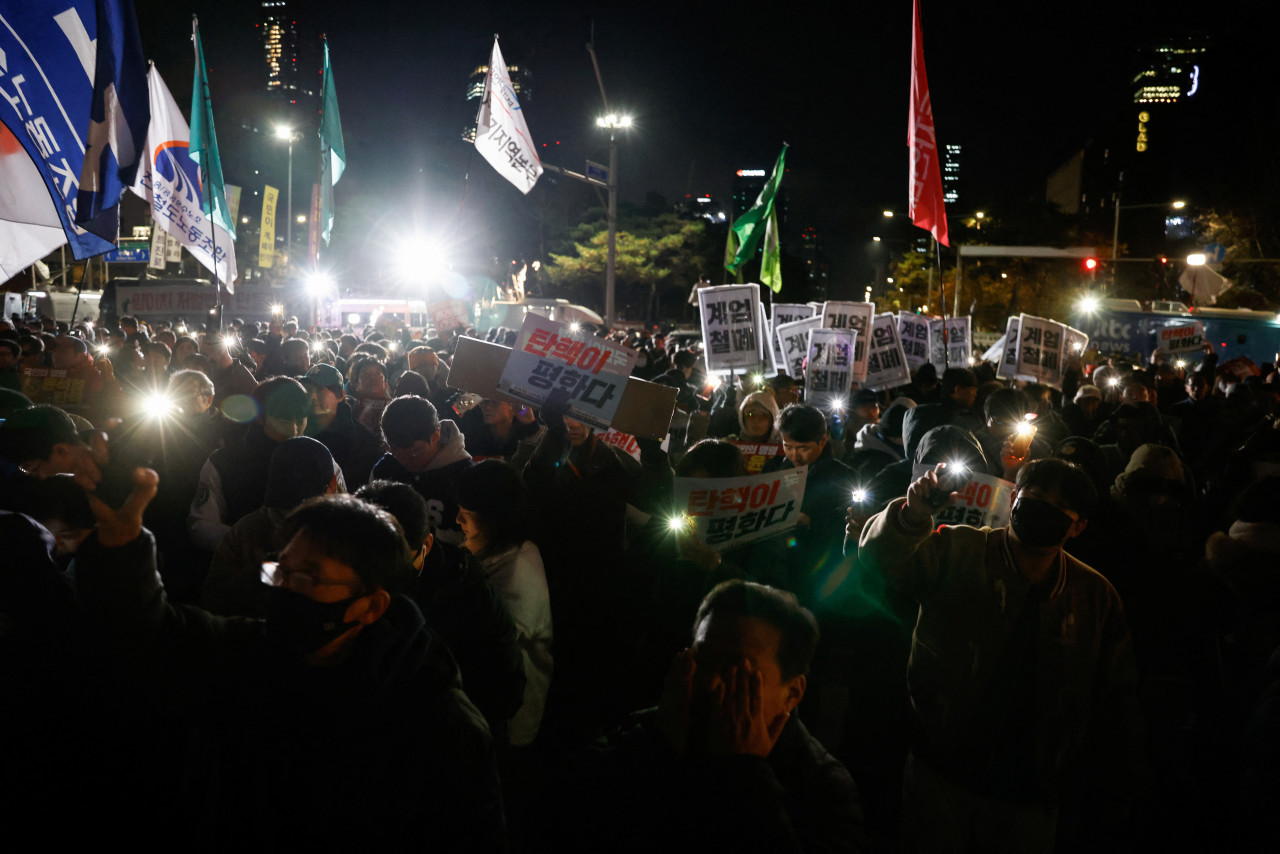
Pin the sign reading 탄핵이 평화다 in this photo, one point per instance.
(984, 501)
(732, 511)
(548, 356)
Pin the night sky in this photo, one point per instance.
(718, 87)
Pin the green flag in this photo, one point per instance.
(333, 155)
(751, 225)
(731, 250)
(204, 144)
(771, 264)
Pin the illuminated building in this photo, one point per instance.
(951, 174)
(815, 264)
(290, 76)
(747, 184)
(521, 81)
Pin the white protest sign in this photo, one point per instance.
(449, 314)
(159, 244)
(764, 338)
(730, 328)
(886, 362)
(984, 501)
(1041, 345)
(959, 341)
(547, 356)
(856, 316)
(913, 331)
(784, 312)
(1181, 338)
(1076, 342)
(1008, 367)
(793, 343)
(829, 374)
(731, 511)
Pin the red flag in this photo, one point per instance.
(925, 190)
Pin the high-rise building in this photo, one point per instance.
(951, 174)
(747, 184)
(291, 73)
(521, 81)
(815, 263)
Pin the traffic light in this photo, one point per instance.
(1090, 264)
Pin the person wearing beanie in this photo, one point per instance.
(300, 468)
(880, 444)
(233, 482)
(333, 422)
(1084, 414)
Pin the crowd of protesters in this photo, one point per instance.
(267, 588)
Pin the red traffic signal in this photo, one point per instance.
(1091, 264)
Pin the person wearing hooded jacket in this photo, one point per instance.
(428, 454)
(339, 703)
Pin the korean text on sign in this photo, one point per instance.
(983, 502)
(757, 454)
(548, 357)
(731, 511)
(730, 327)
(829, 373)
(855, 316)
(886, 361)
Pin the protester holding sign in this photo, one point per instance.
(1015, 707)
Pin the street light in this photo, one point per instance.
(887, 214)
(287, 134)
(1177, 204)
(613, 122)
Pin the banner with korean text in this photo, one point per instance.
(855, 316)
(793, 343)
(548, 356)
(1041, 350)
(449, 314)
(784, 312)
(829, 374)
(1181, 338)
(757, 454)
(983, 501)
(730, 328)
(913, 331)
(267, 239)
(886, 362)
(727, 512)
(1008, 368)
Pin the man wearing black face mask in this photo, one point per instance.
(341, 702)
(1021, 673)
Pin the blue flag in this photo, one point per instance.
(47, 72)
(118, 119)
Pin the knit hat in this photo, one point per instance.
(891, 420)
(300, 468)
(1150, 464)
(1088, 390)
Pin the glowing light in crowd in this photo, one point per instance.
(859, 496)
(1089, 305)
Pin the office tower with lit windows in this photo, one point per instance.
(521, 81)
(951, 174)
(292, 62)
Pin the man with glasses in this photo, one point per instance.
(339, 721)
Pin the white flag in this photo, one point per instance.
(502, 135)
(169, 180)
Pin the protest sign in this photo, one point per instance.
(1075, 344)
(829, 374)
(55, 386)
(548, 356)
(732, 511)
(959, 341)
(913, 331)
(449, 314)
(645, 409)
(1008, 367)
(886, 362)
(1180, 338)
(1041, 344)
(855, 316)
(983, 501)
(623, 441)
(764, 337)
(730, 328)
(793, 343)
(784, 312)
(758, 453)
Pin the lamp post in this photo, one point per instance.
(288, 134)
(613, 122)
(1115, 232)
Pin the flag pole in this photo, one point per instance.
(942, 302)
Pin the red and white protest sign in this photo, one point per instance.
(1182, 337)
(984, 501)
(548, 356)
(758, 453)
(625, 441)
(728, 512)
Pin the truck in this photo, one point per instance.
(1124, 327)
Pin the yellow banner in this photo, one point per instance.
(267, 242)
